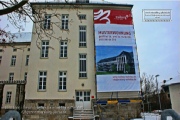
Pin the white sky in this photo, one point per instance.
(158, 43)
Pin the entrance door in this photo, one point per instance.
(83, 100)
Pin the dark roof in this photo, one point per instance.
(174, 81)
(89, 4)
(107, 59)
(15, 43)
(128, 54)
(21, 38)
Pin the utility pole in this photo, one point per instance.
(158, 92)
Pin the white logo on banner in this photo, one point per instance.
(100, 13)
(122, 17)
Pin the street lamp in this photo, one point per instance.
(158, 91)
(167, 80)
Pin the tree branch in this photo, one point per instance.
(13, 8)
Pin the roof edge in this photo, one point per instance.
(15, 43)
(73, 3)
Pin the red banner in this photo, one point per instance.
(113, 17)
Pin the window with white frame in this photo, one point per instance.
(82, 16)
(86, 95)
(27, 59)
(65, 22)
(0, 59)
(25, 76)
(8, 97)
(47, 21)
(62, 80)
(82, 36)
(63, 49)
(42, 80)
(82, 66)
(13, 60)
(11, 77)
(44, 49)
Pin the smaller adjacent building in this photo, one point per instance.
(14, 62)
(173, 87)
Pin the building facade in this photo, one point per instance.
(14, 61)
(172, 88)
(62, 71)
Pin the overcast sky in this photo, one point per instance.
(158, 43)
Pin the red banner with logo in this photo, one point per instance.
(113, 17)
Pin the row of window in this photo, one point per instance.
(63, 47)
(43, 79)
(14, 49)
(13, 60)
(41, 105)
(11, 76)
(80, 96)
(62, 75)
(64, 21)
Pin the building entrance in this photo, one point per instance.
(83, 100)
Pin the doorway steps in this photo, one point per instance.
(83, 114)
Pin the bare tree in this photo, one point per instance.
(148, 83)
(21, 12)
(11, 6)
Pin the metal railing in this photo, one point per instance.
(12, 82)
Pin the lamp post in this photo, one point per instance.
(167, 80)
(158, 91)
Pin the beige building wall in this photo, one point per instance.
(175, 97)
(12, 89)
(19, 69)
(53, 64)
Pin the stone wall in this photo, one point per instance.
(118, 111)
(52, 110)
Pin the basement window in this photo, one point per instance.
(40, 105)
(61, 104)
